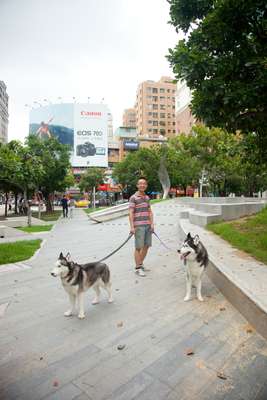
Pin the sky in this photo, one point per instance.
(80, 48)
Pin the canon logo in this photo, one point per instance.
(91, 113)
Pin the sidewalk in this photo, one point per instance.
(44, 355)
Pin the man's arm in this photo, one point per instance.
(131, 219)
(151, 217)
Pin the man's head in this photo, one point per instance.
(141, 184)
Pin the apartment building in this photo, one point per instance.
(155, 108)
(129, 118)
(3, 113)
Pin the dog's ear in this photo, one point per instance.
(188, 235)
(196, 240)
(68, 257)
(61, 256)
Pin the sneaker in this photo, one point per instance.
(140, 271)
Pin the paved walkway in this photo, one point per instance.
(44, 355)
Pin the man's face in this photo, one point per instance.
(142, 185)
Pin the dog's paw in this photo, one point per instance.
(81, 316)
(95, 301)
(200, 298)
(187, 298)
(110, 300)
(68, 313)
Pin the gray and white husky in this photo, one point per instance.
(77, 278)
(195, 258)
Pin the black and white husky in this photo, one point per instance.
(76, 279)
(195, 258)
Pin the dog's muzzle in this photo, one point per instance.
(183, 256)
(53, 274)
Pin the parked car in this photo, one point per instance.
(82, 203)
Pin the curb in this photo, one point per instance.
(241, 300)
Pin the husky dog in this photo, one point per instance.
(76, 279)
(195, 258)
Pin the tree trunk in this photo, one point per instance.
(48, 203)
(16, 203)
(28, 207)
(6, 204)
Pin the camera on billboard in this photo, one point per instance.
(86, 149)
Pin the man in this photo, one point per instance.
(64, 203)
(141, 224)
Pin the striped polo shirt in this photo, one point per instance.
(141, 206)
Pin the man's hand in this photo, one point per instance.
(152, 228)
(132, 230)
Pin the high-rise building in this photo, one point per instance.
(3, 113)
(184, 118)
(155, 108)
(129, 118)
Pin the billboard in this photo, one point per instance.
(82, 126)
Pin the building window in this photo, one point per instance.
(149, 106)
(168, 90)
(149, 89)
(154, 90)
(155, 115)
(155, 131)
(150, 114)
(149, 130)
(149, 122)
(173, 98)
(173, 131)
(173, 123)
(162, 131)
(155, 123)
(162, 123)
(169, 131)
(173, 91)
(162, 107)
(155, 106)
(162, 98)
(173, 107)
(162, 90)
(162, 115)
(155, 98)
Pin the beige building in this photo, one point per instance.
(3, 113)
(184, 118)
(129, 118)
(155, 108)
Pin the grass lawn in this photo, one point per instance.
(18, 251)
(158, 200)
(36, 228)
(248, 234)
(53, 216)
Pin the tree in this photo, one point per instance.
(92, 178)
(27, 171)
(55, 159)
(223, 61)
(143, 162)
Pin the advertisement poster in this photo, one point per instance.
(53, 120)
(84, 127)
(90, 135)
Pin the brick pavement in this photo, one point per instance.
(44, 355)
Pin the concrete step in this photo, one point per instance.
(202, 218)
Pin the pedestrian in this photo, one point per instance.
(141, 224)
(64, 203)
(71, 206)
(9, 202)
